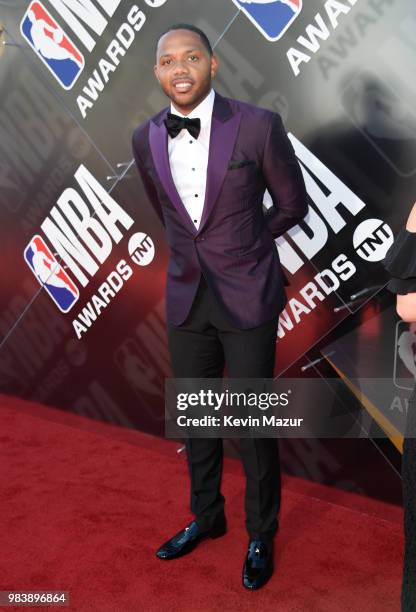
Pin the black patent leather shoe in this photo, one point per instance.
(186, 540)
(258, 564)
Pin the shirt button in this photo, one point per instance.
(191, 141)
(196, 195)
(193, 168)
(195, 221)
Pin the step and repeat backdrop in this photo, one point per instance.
(76, 78)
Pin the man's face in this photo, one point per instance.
(184, 68)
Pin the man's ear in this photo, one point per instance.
(155, 71)
(214, 65)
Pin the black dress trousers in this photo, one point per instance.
(199, 348)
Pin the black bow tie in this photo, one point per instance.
(175, 123)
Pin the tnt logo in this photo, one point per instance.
(141, 248)
(372, 239)
(52, 45)
(50, 274)
(271, 17)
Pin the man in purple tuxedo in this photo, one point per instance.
(205, 163)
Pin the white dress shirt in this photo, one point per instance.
(188, 158)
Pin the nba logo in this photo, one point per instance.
(271, 17)
(52, 45)
(50, 274)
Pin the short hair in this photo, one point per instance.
(191, 28)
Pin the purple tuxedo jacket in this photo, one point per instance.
(234, 246)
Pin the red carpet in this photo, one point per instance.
(84, 506)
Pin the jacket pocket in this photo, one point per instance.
(240, 163)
